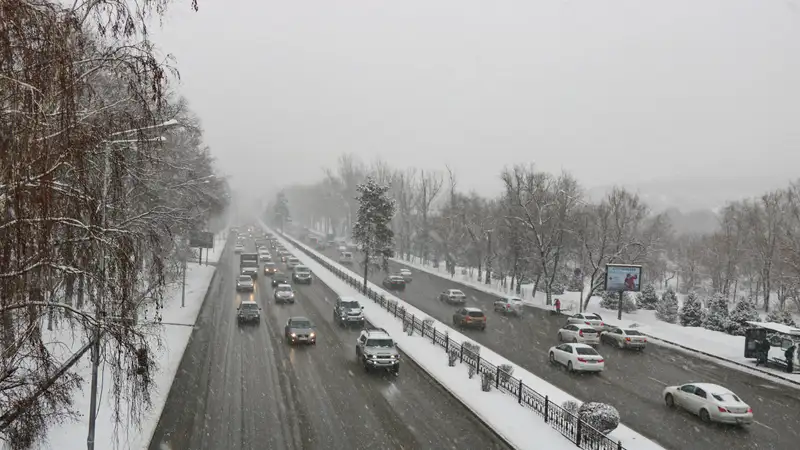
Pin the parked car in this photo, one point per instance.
(394, 282)
(270, 268)
(406, 274)
(713, 403)
(577, 357)
(454, 296)
(624, 338)
(284, 294)
(300, 330)
(245, 283)
(509, 305)
(584, 334)
(348, 311)
(590, 319)
(469, 318)
(248, 311)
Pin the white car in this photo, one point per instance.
(284, 293)
(406, 274)
(624, 338)
(713, 403)
(454, 296)
(509, 305)
(585, 334)
(577, 357)
(345, 258)
(591, 319)
(239, 248)
(245, 283)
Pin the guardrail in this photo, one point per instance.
(580, 433)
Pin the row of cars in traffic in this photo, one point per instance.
(374, 348)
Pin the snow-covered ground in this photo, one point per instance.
(177, 326)
(493, 408)
(724, 347)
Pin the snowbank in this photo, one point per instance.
(719, 347)
(174, 332)
(493, 408)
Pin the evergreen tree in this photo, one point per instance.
(691, 314)
(667, 307)
(717, 317)
(280, 211)
(609, 300)
(372, 230)
(781, 316)
(648, 298)
(743, 311)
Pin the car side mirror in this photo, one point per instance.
(260, 308)
(237, 308)
(362, 307)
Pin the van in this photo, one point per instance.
(346, 258)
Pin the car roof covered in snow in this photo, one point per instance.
(379, 334)
(404, 270)
(458, 291)
(582, 326)
(779, 327)
(575, 345)
(516, 299)
(471, 309)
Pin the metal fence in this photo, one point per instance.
(577, 431)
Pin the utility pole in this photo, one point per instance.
(183, 287)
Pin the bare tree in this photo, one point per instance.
(428, 187)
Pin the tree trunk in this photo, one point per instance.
(366, 269)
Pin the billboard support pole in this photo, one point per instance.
(619, 307)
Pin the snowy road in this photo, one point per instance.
(632, 381)
(245, 388)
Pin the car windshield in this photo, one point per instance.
(245, 278)
(301, 324)
(592, 316)
(585, 351)
(633, 333)
(350, 304)
(301, 269)
(457, 293)
(284, 288)
(249, 306)
(269, 264)
(385, 342)
(726, 398)
(475, 314)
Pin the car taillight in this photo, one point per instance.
(602, 324)
(508, 305)
(582, 359)
(628, 339)
(580, 333)
(587, 323)
(750, 410)
(468, 318)
(721, 409)
(601, 360)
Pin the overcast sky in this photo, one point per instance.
(609, 90)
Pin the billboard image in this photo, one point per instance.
(623, 278)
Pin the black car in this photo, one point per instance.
(394, 282)
(279, 278)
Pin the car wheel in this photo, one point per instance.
(704, 416)
(569, 367)
(669, 400)
(552, 358)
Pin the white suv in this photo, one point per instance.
(375, 349)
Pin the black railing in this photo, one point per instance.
(565, 422)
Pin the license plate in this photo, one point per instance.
(303, 338)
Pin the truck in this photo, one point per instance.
(248, 264)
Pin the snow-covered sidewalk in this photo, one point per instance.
(177, 325)
(492, 407)
(714, 345)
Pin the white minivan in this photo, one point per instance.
(346, 258)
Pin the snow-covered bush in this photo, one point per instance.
(781, 316)
(717, 315)
(600, 416)
(473, 349)
(648, 298)
(691, 314)
(609, 300)
(452, 357)
(505, 372)
(667, 307)
(487, 379)
(575, 284)
(743, 312)
(427, 323)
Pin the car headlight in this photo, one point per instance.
(312, 335)
(369, 356)
(395, 356)
(293, 335)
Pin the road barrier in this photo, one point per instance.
(577, 431)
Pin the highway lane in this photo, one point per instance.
(246, 388)
(632, 381)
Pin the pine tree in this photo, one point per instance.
(743, 312)
(667, 307)
(648, 298)
(781, 316)
(691, 314)
(717, 317)
(609, 300)
(372, 230)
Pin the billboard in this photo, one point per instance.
(201, 239)
(623, 278)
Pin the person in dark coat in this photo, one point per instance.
(790, 359)
(763, 352)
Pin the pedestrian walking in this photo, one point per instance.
(558, 306)
(790, 358)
